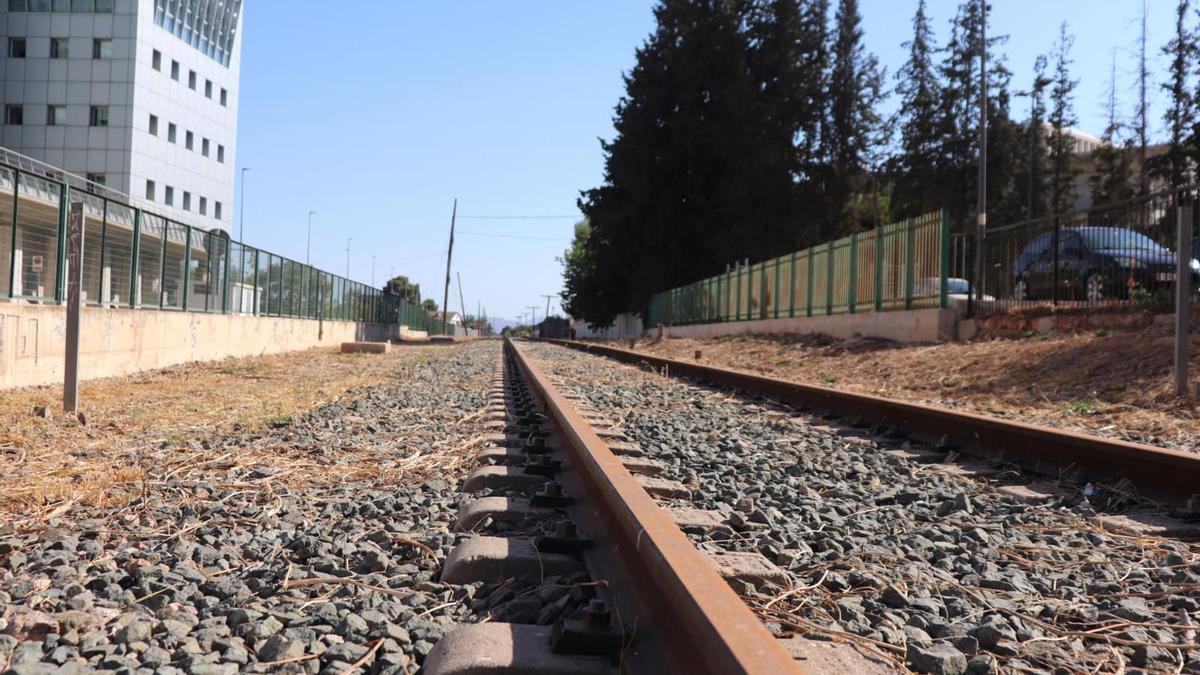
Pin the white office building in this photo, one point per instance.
(138, 95)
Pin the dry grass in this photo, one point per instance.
(151, 430)
(1115, 383)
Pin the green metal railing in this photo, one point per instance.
(903, 265)
(138, 259)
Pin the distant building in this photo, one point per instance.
(139, 96)
(1086, 146)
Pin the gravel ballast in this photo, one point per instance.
(253, 568)
(942, 573)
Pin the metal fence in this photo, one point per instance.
(903, 265)
(1111, 255)
(138, 259)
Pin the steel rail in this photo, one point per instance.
(667, 590)
(1169, 475)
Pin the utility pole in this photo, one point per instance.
(242, 236)
(348, 240)
(532, 317)
(449, 257)
(308, 246)
(547, 297)
(981, 215)
(1183, 299)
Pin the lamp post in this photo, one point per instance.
(308, 244)
(348, 240)
(242, 236)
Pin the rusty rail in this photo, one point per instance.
(671, 599)
(1170, 475)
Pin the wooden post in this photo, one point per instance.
(74, 276)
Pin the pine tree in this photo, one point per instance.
(689, 177)
(1033, 188)
(959, 115)
(1180, 117)
(855, 88)
(1062, 166)
(1141, 117)
(1111, 177)
(917, 188)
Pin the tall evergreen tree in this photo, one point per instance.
(1141, 116)
(916, 168)
(1180, 117)
(855, 90)
(1033, 183)
(1111, 173)
(960, 121)
(1062, 165)
(686, 187)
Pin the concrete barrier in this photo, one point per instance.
(916, 325)
(123, 341)
(366, 347)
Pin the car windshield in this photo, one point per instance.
(1117, 238)
(956, 285)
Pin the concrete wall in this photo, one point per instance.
(625, 326)
(917, 325)
(122, 341)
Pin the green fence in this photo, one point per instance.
(903, 265)
(138, 259)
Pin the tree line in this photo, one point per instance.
(752, 128)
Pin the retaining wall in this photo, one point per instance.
(122, 341)
(916, 325)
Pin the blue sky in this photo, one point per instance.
(376, 114)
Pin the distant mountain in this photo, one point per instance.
(499, 324)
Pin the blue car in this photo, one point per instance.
(1094, 263)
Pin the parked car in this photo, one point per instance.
(1094, 263)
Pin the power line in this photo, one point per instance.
(512, 236)
(574, 215)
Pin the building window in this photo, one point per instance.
(16, 48)
(154, 125)
(170, 132)
(102, 48)
(189, 140)
(204, 147)
(150, 190)
(204, 206)
(99, 116)
(60, 48)
(217, 210)
(224, 96)
(175, 70)
(97, 178)
(14, 114)
(208, 89)
(187, 201)
(169, 196)
(192, 80)
(104, 6)
(221, 154)
(56, 115)
(83, 5)
(156, 60)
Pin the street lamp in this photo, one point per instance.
(348, 240)
(308, 245)
(242, 236)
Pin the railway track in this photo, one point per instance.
(835, 548)
(575, 494)
(1170, 476)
